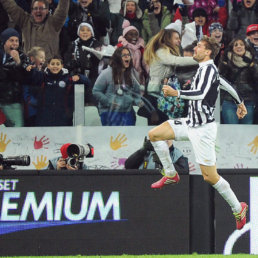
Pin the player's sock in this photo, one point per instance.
(223, 187)
(162, 150)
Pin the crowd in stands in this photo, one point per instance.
(123, 51)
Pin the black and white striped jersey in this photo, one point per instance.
(203, 94)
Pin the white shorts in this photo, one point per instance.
(203, 139)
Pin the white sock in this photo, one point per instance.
(162, 150)
(223, 188)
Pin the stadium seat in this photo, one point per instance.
(141, 121)
(92, 116)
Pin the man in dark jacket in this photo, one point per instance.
(39, 28)
(11, 72)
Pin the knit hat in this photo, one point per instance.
(63, 150)
(199, 12)
(138, 11)
(87, 25)
(214, 26)
(127, 27)
(8, 33)
(177, 26)
(251, 28)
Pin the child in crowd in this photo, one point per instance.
(55, 106)
(31, 94)
(135, 44)
(77, 60)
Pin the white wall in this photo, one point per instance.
(237, 146)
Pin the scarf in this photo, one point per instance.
(240, 61)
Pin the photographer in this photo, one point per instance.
(72, 157)
(146, 158)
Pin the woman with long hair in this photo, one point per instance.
(239, 68)
(162, 55)
(117, 90)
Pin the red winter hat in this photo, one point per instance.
(251, 28)
(63, 150)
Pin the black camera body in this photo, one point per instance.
(77, 153)
(7, 162)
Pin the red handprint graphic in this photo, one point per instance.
(41, 143)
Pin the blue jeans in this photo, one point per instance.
(229, 116)
(111, 118)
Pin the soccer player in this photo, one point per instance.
(199, 127)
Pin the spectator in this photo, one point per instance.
(162, 54)
(135, 44)
(155, 18)
(216, 32)
(242, 15)
(133, 13)
(239, 69)
(63, 163)
(31, 94)
(12, 60)
(81, 61)
(55, 106)
(96, 13)
(117, 90)
(129, 11)
(39, 28)
(195, 30)
(216, 10)
(64, 38)
(252, 38)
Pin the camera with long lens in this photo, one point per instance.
(77, 153)
(8, 162)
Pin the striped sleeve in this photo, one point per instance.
(224, 85)
(204, 83)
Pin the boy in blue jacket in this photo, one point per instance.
(56, 94)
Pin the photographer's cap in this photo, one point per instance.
(63, 150)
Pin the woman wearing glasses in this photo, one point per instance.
(117, 90)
